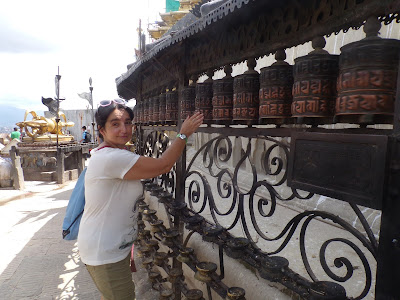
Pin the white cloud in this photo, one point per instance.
(84, 38)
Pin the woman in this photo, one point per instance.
(112, 186)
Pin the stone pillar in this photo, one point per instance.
(60, 166)
(81, 161)
(17, 173)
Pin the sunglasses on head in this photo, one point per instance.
(108, 102)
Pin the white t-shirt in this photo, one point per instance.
(109, 222)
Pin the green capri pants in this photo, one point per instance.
(114, 281)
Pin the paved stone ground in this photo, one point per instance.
(35, 262)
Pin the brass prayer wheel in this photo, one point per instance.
(135, 114)
(368, 78)
(204, 95)
(246, 88)
(188, 99)
(146, 111)
(222, 101)
(171, 108)
(151, 107)
(162, 101)
(156, 110)
(141, 112)
(276, 84)
(314, 88)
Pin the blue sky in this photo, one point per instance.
(83, 38)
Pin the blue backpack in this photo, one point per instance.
(73, 214)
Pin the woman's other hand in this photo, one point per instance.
(190, 125)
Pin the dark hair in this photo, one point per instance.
(15, 128)
(84, 127)
(103, 112)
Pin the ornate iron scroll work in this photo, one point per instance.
(156, 142)
(244, 210)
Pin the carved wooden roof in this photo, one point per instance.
(242, 29)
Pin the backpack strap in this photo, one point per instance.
(66, 232)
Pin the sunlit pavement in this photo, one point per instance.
(35, 262)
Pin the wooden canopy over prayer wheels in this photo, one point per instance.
(204, 95)
(171, 110)
(246, 88)
(314, 88)
(222, 101)
(367, 78)
(276, 84)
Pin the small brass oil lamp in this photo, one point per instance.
(155, 276)
(194, 222)
(165, 197)
(235, 247)
(166, 294)
(176, 208)
(152, 244)
(272, 268)
(170, 237)
(149, 214)
(194, 294)
(142, 207)
(148, 262)
(205, 270)
(211, 232)
(156, 191)
(156, 226)
(144, 235)
(184, 254)
(160, 258)
(236, 293)
(175, 275)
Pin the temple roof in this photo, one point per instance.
(238, 30)
(191, 27)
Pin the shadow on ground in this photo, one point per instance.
(40, 264)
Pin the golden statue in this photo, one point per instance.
(44, 129)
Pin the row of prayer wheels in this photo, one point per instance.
(357, 86)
